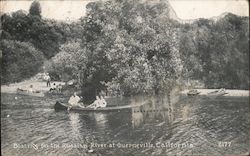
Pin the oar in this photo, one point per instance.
(69, 108)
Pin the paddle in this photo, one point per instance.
(69, 107)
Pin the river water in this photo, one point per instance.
(180, 126)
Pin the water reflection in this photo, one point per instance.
(101, 120)
(75, 124)
(203, 122)
(137, 119)
(185, 112)
(156, 110)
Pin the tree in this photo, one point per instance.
(134, 45)
(20, 60)
(35, 9)
(217, 53)
(45, 36)
(69, 63)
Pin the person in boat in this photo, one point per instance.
(73, 100)
(102, 102)
(95, 104)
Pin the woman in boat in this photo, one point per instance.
(95, 104)
(103, 102)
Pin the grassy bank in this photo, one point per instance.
(37, 85)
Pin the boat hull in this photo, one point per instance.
(217, 93)
(192, 94)
(63, 106)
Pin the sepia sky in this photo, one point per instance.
(185, 9)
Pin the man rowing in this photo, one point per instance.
(73, 101)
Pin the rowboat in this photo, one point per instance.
(25, 92)
(219, 92)
(64, 106)
(193, 92)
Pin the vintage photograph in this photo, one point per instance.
(124, 77)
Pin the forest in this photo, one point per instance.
(126, 48)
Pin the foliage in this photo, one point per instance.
(127, 47)
(132, 46)
(20, 60)
(35, 9)
(27, 32)
(68, 63)
(217, 53)
(67, 31)
(26, 28)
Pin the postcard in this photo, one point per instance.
(124, 77)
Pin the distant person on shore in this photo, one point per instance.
(48, 79)
(31, 90)
(73, 100)
(53, 88)
(59, 88)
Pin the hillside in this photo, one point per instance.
(216, 51)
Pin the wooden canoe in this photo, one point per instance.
(25, 92)
(64, 106)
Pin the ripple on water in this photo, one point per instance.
(203, 122)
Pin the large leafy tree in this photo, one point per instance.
(132, 46)
(69, 62)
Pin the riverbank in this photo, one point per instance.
(230, 92)
(38, 85)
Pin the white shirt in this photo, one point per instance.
(102, 103)
(73, 100)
